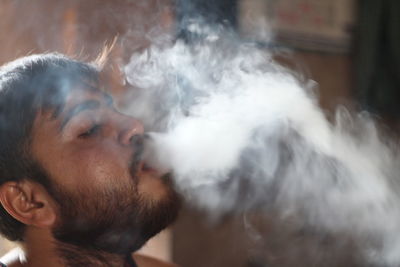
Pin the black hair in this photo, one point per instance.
(29, 85)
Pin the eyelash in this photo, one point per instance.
(95, 129)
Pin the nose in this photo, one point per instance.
(130, 127)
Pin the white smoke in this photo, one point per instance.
(238, 129)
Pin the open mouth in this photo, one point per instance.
(147, 168)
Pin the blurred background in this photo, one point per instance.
(350, 48)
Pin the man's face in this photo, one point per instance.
(106, 198)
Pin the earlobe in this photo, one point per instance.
(28, 203)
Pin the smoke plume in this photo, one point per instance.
(238, 131)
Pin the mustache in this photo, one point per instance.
(138, 145)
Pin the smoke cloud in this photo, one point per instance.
(238, 131)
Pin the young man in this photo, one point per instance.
(73, 187)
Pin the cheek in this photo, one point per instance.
(97, 166)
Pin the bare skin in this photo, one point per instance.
(90, 149)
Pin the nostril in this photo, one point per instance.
(137, 143)
(130, 130)
(136, 139)
(133, 139)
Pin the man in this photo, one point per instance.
(74, 190)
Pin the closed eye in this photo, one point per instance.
(92, 131)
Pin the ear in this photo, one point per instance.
(28, 202)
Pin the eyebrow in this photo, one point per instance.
(87, 105)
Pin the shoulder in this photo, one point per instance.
(11, 258)
(146, 261)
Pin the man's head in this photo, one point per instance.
(71, 163)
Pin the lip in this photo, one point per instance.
(147, 168)
(142, 168)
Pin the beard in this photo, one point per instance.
(111, 222)
(116, 219)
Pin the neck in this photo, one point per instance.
(76, 256)
(41, 245)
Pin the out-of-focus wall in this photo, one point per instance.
(307, 24)
(318, 34)
(78, 27)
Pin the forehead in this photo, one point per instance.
(82, 94)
